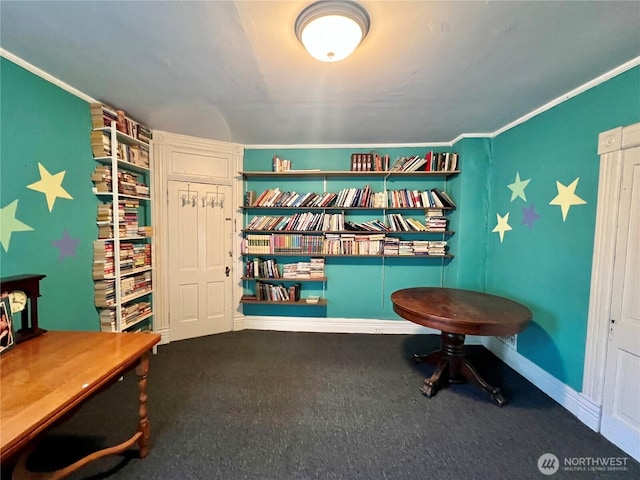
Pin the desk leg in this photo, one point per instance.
(143, 424)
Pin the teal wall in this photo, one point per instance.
(470, 189)
(42, 124)
(547, 264)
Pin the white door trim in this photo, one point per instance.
(610, 146)
(162, 144)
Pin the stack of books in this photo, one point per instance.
(437, 247)
(316, 269)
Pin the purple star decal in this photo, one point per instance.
(529, 215)
(66, 245)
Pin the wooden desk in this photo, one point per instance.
(48, 377)
(457, 313)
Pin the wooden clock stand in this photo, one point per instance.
(30, 285)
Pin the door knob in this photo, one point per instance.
(226, 271)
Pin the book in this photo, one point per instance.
(442, 200)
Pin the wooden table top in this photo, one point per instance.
(464, 312)
(48, 376)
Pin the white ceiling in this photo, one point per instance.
(234, 70)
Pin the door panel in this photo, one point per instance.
(200, 290)
(621, 404)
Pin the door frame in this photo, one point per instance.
(611, 145)
(163, 145)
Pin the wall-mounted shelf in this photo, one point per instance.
(327, 173)
(329, 221)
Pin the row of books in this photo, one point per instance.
(261, 268)
(281, 243)
(435, 248)
(278, 293)
(129, 183)
(431, 162)
(105, 291)
(135, 154)
(327, 222)
(103, 115)
(369, 162)
(277, 198)
(433, 198)
(258, 267)
(131, 315)
(128, 219)
(280, 165)
(352, 244)
(125, 231)
(132, 256)
(352, 197)
(306, 221)
(340, 244)
(314, 268)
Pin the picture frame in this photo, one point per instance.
(7, 333)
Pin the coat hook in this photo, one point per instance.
(194, 198)
(184, 200)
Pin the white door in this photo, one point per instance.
(200, 262)
(621, 403)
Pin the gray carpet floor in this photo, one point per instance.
(279, 405)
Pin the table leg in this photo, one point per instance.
(471, 374)
(433, 357)
(430, 385)
(143, 424)
(453, 366)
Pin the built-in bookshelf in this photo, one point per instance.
(400, 222)
(122, 252)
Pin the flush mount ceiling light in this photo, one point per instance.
(331, 30)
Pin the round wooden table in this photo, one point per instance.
(457, 313)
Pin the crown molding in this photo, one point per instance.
(46, 76)
(367, 146)
(573, 93)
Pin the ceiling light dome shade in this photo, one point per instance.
(331, 30)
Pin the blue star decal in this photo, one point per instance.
(66, 245)
(529, 215)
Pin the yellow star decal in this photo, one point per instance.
(50, 185)
(567, 197)
(9, 224)
(517, 188)
(502, 226)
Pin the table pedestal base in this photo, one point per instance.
(452, 366)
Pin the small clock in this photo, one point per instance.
(23, 292)
(18, 301)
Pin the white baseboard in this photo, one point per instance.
(165, 337)
(584, 409)
(338, 325)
